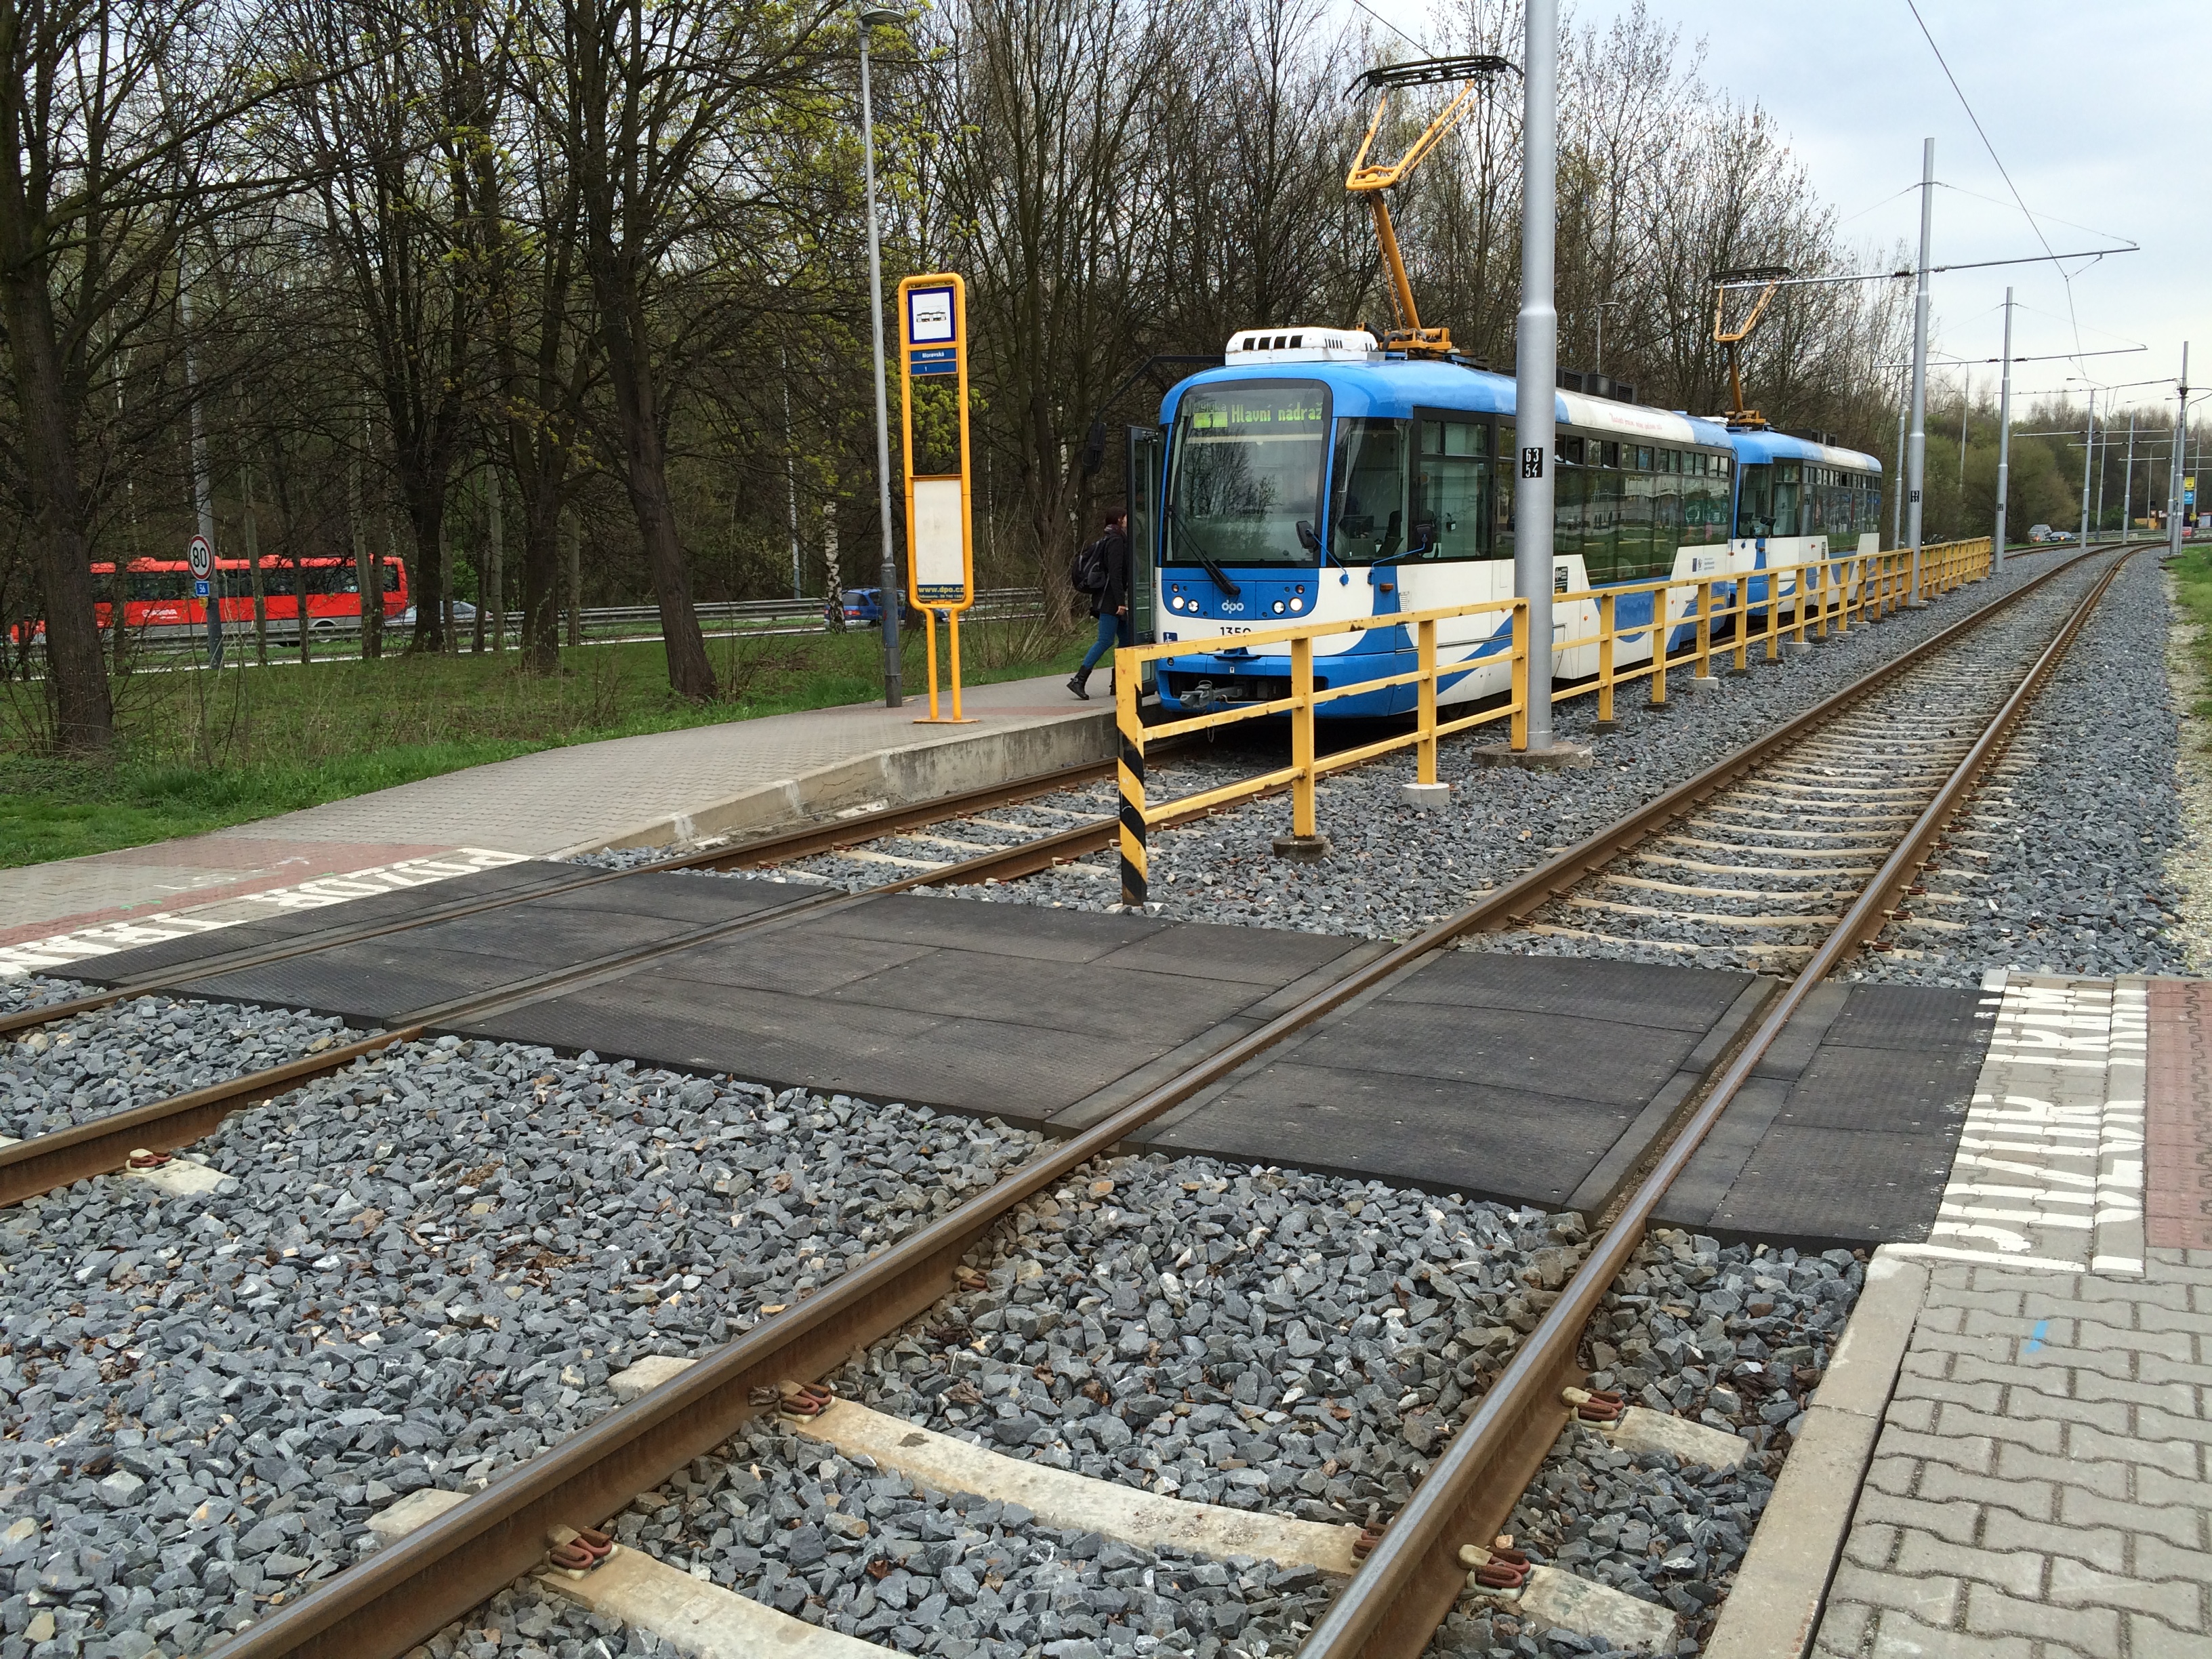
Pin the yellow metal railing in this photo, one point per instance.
(1822, 597)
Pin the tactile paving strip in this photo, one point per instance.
(2177, 1130)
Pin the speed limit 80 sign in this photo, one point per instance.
(203, 558)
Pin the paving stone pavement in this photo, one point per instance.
(2040, 1486)
(534, 806)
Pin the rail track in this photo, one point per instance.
(1413, 1574)
(44, 1162)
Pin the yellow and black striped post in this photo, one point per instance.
(1131, 734)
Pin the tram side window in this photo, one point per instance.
(1367, 515)
(1452, 475)
(1870, 508)
(1704, 503)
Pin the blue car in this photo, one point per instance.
(864, 607)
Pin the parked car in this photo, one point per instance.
(864, 607)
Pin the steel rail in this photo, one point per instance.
(401, 1595)
(1411, 1581)
(806, 841)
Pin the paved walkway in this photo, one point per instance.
(2042, 1484)
(559, 800)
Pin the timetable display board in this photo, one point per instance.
(933, 384)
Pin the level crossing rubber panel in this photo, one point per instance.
(1844, 1135)
(283, 927)
(1018, 1011)
(1528, 1079)
(376, 980)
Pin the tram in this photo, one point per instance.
(1315, 477)
(1329, 474)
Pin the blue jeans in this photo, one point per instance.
(1113, 630)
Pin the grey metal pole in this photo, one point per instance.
(2004, 443)
(1536, 352)
(203, 489)
(887, 578)
(2173, 461)
(1916, 450)
(2128, 487)
(2088, 453)
(1897, 483)
(2099, 449)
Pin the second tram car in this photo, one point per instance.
(1315, 476)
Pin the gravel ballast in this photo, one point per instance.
(1265, 1339)
(130, 1053)
(2061, 865)
(1396, 868)
(424, 1271)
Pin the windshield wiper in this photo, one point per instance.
(1206, 561)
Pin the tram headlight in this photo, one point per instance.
(1298, 604)
(1175, 603)
(1279, 607)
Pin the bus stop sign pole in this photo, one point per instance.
(941, 547)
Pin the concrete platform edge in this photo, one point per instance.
(1773, 1609)
(911, 772)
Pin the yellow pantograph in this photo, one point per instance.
(1372, 179)
(1765, 279)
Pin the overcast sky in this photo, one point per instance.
(2094, 107)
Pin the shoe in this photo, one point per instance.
(1079, 685)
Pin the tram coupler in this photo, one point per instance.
(1594, 1405)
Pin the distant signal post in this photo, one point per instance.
(940, 565)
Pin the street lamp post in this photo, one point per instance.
(2174, 460)
(1916, 451)
(887, 578)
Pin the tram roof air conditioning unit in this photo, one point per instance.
(1303, 345)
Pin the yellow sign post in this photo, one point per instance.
(940, 562)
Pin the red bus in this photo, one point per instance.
(158, 598)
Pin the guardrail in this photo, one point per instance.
(1821, 596)
(999, 601)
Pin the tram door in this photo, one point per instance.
(1146, 445)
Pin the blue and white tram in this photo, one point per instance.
(1798, 500)
(1312, 476)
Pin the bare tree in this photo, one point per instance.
(112, 114)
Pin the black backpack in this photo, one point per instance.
(1089, 571)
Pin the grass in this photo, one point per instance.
(2192, 584)
(198, 752)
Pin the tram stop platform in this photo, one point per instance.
(2010, 1455)
(626, 791)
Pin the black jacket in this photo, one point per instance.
(1115, 594)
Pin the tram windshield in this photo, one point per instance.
(1244, 482)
